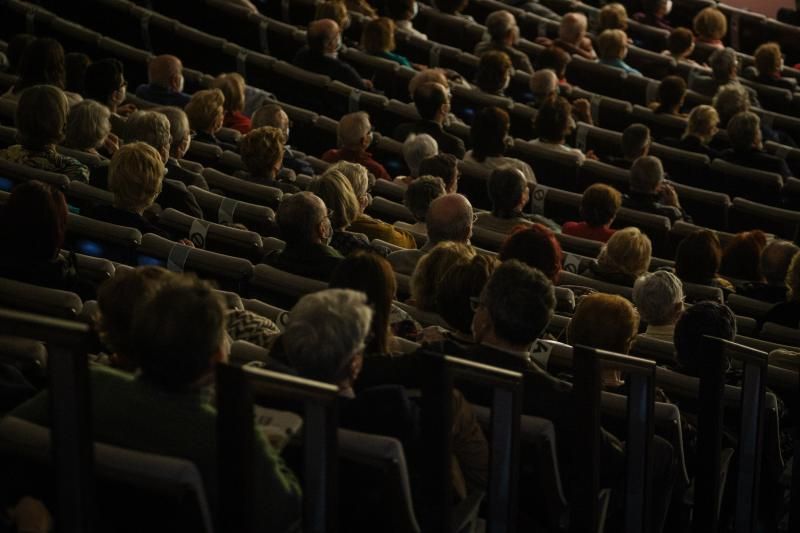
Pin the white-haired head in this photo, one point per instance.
(659, 297)
(416, 149)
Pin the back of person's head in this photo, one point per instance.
(635, 141)
(75, 65)
(489, 132)
(741, 258)
(326, 334)
(42, 63)
(335, 10)
(723, 64)
(573, 27)
(612, 16)
(544, 84)
(768, 58)
(536, 246)
(232, 86)
(34, 222)
(506, 187)
(378, 35)
(604, 321)
(268, 115)
(431, 270)
(599, 204)
(730, 100)
(262, 151)
(710, 24)
(298, 217)
(653, 7)
(659, 297)
(417, 148)
(460, 285)
(358, 176)
(552, 122)
(428, 75)
(429, 99)
(206, 110)
(451, 6)
(88, 125)
(373, 275)
(775, 260)
(519, 300)
(627, 252)
(671, 92)
(680, 42)
(612, 44)
(449, 218)
(102, 78)
(179, 130)
(16, 48)
(444, 166)
(401, 9)
(335, 190)
(321, 35)
(494, 72)
(179, 334)
(499, 24)
(698, 257)
(41, 116)
(744, 131)
(420, 193)
(554, 58)
(702, 122)
(117, 300)
(703, 318)
(352, 129)
(150, 127)
(792, 280)
(646, 175)
(135, 176)
(162, 70)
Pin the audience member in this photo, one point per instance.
(555, 59)
(729, 101)
(165, 82)
(544, 86)
(599, 206)
(612, 16)
(416, 149)
(701, 319)
(335, 10)
(625, 257)
(181, 136)
(88, 129)
(444, 166)
(650, 192)
(403, 12)
(355, 136)
(553, 123)
(494, 73)
(305, 225)
(262, 153)
(698, 258)
(321, 54)
(461, 285)
(42, 63)
(377, 39)
(654, 13)
(273, 115)
(741, 257)
(612, 47)
(710, 26)
(503, 34)
(432, 101)
(41, 118)
(206, 112)
(775, 261)
(659, 298)
(232, 86)
(572, 36)
(536, 246)
(787, 313)
(701, 128)
(449, 219)
(490, 138)
(16, 49)
(509, 193)
(680, 45)
(453, 7)
(105, 82)
(671, 96)
(635, 143)
(747, 150)
(75, 65)
(431, 270)
(724, 68)
(418, 197)
(769, 64)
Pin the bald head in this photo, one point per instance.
(165, 71)
(323, 36)
(449, 219)
(573, 27)
(544, 83)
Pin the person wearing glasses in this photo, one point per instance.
(273, 115)
(105, 82)
(503, 33)
(355, 136)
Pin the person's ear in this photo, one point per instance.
(355, 367)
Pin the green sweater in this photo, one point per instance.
(132, 413)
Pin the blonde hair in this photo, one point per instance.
(710, 24)
(793, 279)
(378, 36)
(135, 175)
(431, 269)
(628, 251)
(768, 58)
(611, 44)
(204, 108)
(232, 86)
(88, 125)
(613, 17)
(356, 174)
(702, 122)
(261, 150)
(335, 190)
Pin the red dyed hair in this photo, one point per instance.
(535, 246)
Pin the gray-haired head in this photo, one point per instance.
(421, 193)
(152, 128)
(646, 174)
(543, 83)
(416, 148)
(499, 24)
(730, 99)
(659, 297)
(326, 331)
(178, 128)
(87, 125)
(744, 131)
(449, 219)
(723, 64)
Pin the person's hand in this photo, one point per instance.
(669, 196)
(431, 334)
(126, 109)
(591, 155)
(187, 242)
(368, 85)
(111, 144)
(30, 515)
(582, 110)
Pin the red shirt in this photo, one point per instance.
(361, 157)
(237, 121)
(582, 229)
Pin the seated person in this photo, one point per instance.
(181, 136)
(490, 139)
(432, 101)
(701, 128)
(654, 13)
(741, 257)
(503, 33)
(680, 46)
(612, 47)
(178, 336)
(494, 73)
(651, 193)
(206, 112)
(41, 63)
(403, 12)
(418, 198)
(262, 153)
(232, 87)
(105, 83)
(273, 115)
(89, 129)
(710, 26)
(543, 85)
(416, 149)
(377, 39)
(553, 123)
(787, 313)
(537, 247)
(625, 257)
(453, 7)
(659, 298)
(769, 64)
(698, 258)
(703, 318)
(509, 193)
(635, 143)
(775, 261)
(612, 16)
(164, 82)
(443, 166)
(449, 219)
(354, 133)
(432, 269)
(557, 60)
(747, 150)
(572, 36)
(733, 99)
(41, 117)
(337, 11)
(724, 71)
(321, 55)
(361, 6)
(671, 96)
(305, 225)
(599, 206)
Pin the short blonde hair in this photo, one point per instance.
(261, 149)
(793, 279)
(204, 108)
(613, 17)
(628, 251)
(335, 190)
(232, 86)
(710, 24)
(378, 35)
(702, 122)
(768, 58)
(352, 129)
(135, 176)
(431, 269)
(604, 321)
(611, 44)
(356, 174)
(88, 125)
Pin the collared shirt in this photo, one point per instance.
(662, 333)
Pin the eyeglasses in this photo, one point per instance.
(474, 217)
(475, 303)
